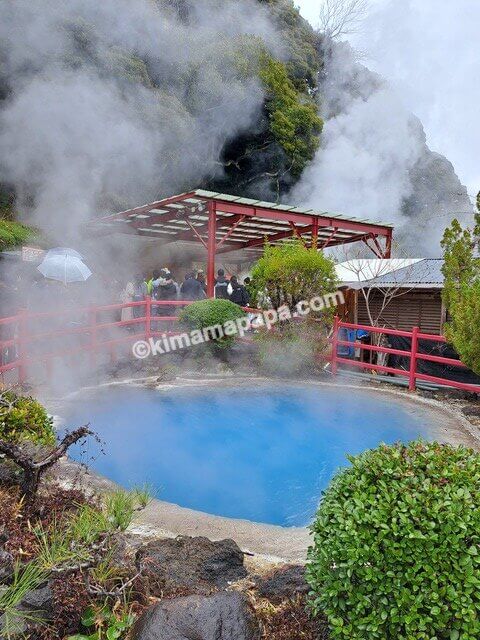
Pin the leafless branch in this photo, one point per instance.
(342, 17)
(34, 468)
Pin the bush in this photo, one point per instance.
(23, 418)
(396, 550)
(289, 273)
(211, 313)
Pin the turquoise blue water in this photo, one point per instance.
(263, 455)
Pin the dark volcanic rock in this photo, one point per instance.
(286, 582)
(472, 411)
(6, 566)
(223, 616)
(197, 565)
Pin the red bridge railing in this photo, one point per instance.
(413, 354)
(32, 337)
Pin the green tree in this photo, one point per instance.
(396, 547)
(294, 120)
(290, 272)
(461, 293)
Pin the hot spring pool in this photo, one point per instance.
(257, 453)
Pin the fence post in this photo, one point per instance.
(148, 318)
(413, 360)
(93, 336)
(334, 344)
(22, 338)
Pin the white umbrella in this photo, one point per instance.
(63, 251)
(64, 268)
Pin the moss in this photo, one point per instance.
(23, 418)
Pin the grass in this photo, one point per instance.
(26, 578)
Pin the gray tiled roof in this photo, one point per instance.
(425, 274)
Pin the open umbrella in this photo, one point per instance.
(64, 268)
(63, 251)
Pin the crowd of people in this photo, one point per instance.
(162, 286)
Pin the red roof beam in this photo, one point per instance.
(305, 218)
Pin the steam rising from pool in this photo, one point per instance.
(260, 454)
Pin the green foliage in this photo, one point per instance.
(289, 273)
(104, 624)
(211, 313)
(13, 234)
(461, 290)
(26, 578)
(396, 550)
(294, 121)
(23, 418)
(120, 507)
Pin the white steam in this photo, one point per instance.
(374, 162)
(77, 137)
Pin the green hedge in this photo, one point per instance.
(209, 313)
(23, 418)
(396, 551)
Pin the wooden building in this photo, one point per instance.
(391, 294)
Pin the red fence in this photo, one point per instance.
(413, 354)
(41, 337)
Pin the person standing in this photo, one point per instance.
(191, 288)
(239, 294)
(221, 285)
(139, 294)
(201, 279)
(165, 289)
(127, 296)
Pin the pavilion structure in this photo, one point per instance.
(226, 223)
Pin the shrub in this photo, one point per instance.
(396, 550)
(289, 273)
(211, 313)
(23, 418)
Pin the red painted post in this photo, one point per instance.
(22, 352)
(413, 360)
(336, 326)
(148, 317)
(93, 336)
(211, 247)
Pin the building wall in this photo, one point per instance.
(415, 308)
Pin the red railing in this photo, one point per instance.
(41, 337)
(413, 354)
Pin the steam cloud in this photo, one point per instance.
(77, 137)
(374, 161)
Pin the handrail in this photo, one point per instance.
(413, 354)
(24, 346)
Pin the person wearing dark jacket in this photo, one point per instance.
(221, 285)
(164, 288)
(239, 294)
(191, 288)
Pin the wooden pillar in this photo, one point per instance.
(211, 247)
(388, 245)
(315, 233)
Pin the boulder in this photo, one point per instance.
(6, 566)
(33, 611)
(286, 582)
(194, 565)
(223, 616)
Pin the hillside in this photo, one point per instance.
(105, 107)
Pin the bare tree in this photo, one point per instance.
(342, 17)
(33, 465)
(368, 278)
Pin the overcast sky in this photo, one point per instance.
(428, 49)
